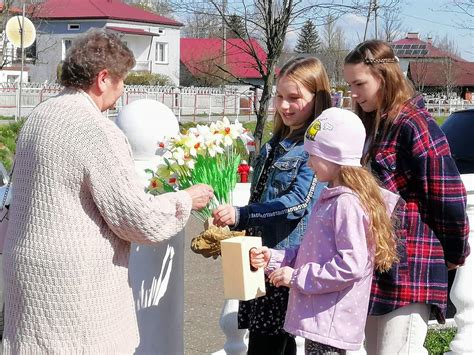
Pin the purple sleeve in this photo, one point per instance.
(281, 258)
(350, 261)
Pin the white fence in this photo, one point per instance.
(189, 103)
(192, 103)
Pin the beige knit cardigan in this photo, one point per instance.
(77, 205)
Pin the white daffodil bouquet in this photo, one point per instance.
(204, 154)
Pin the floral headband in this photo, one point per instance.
(370, 61)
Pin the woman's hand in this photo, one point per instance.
(224, 215)
(281, 277)
(259, 257)
(201, 194)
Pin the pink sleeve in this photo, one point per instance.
(281, 258)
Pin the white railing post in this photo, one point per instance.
(237, 339)
(462, 291)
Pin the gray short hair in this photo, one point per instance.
(95, 50)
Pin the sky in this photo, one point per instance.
(430, 18)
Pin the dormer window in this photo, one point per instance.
(73, 26)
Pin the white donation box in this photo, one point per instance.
(240, 281)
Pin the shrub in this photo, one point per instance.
(437, 340)
(143, 78)
(8, 135)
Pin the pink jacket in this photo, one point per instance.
(330, 287)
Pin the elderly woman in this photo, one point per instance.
(77, 205)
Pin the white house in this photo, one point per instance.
(153, 39)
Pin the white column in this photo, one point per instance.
(462, 291)
(236, 339)
(156, 272)
(157, 279)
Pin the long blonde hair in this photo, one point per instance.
(396, 89)
(382, 235)
(310, 73)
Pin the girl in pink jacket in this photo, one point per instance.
(349, 233)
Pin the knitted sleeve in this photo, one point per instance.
(118, 194)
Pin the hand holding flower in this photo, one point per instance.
(224, 215)
(200, 194)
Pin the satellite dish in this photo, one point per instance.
(14, 31)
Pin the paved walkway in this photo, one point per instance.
(203, 298)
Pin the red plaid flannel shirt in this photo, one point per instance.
(414, 161)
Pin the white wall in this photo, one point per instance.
(8, 75)
(140, 47)
(52, 34)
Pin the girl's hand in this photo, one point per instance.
(224, 215)
(281, 277)
(259, 257)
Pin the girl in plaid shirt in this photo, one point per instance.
(410, 155)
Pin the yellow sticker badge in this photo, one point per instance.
(313, 130)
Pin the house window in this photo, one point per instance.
(73, 27)
(13, 78)
(161, 52)
(66, 45)
(30, 53)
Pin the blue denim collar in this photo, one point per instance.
(286, 143)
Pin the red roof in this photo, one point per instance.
(433, 52)
(13, 9)
(132, 31)
(97, 9)
(197, 52)
(436, 73)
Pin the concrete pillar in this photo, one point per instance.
(462, 291)
(156, 271)
(237, 339)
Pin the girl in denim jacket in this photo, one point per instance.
(283, 191)
(349, 232)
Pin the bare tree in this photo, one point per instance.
(391, 24)
(447, 44)
(465, 10)
(418, 74)
(375, 12)
(6, 49)
(206, 71)
(448, 69)
(448, 75)
(160, 7)
(334, 49)
(267, 21)
(201, 25)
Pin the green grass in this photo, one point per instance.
(437, 340)
(440, 119)
(6, 118)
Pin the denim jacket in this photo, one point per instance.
(280, 217)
